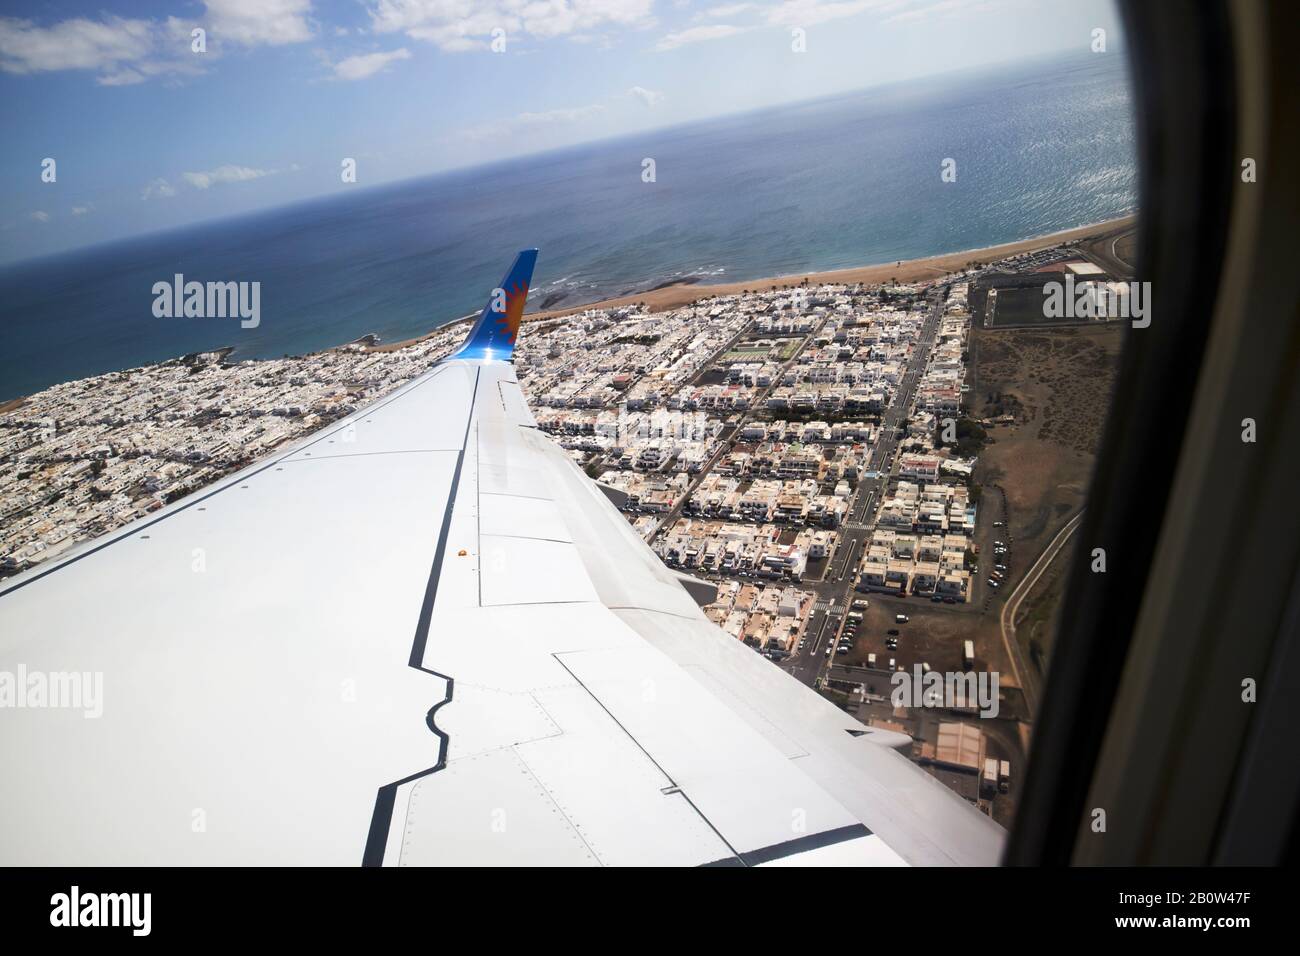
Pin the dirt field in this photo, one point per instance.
(1058, 385)
(933, 635)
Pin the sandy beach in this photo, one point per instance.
(911, 270)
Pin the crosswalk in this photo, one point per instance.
(829, 606)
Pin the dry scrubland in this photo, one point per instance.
(1058, 385)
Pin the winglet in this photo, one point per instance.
(493, 335)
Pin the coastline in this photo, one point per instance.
(685, 292)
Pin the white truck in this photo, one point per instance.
(989, 779)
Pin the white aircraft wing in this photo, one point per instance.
(424, 636)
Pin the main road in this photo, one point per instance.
(834, 591)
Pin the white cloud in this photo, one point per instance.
(944, 8)
(224, 174)
(121, 50)
(368, 64)
(458, 25)
(41, 216)
(548, 117)
(648, 97)
(159, 188)
(726, 11)
(538, 121)
(126, 76)
(804, 13)
(256, 22)
(78, 44)
(127, 50)
(697, 35)
(80, 210)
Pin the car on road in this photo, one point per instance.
(892, 632)
(901, 618)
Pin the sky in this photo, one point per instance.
(151, 126)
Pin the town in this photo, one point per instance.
(809, 450)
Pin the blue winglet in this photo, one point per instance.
(494, 334)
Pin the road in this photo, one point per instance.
(725, 439)
(1024, 675)
(1102, 250)
(597, 465)
(835, 590)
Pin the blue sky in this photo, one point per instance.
(148, 134)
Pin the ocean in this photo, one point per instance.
(843, 181)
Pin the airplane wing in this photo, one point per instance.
(424, 636)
